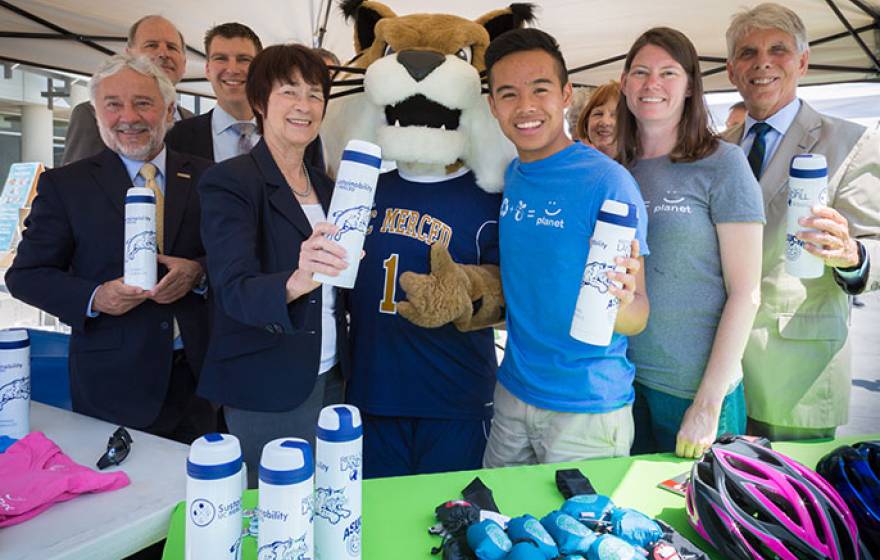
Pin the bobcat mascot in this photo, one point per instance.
(428, 289)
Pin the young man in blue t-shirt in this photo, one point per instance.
(557, 399)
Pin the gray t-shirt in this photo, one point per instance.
(683, 272)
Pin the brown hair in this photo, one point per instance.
(695, 139)
(275, 65)
(602, 95)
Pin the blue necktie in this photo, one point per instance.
(759, 147)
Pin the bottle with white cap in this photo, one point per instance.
(596, 310)
(338, 475)
(352, 204)
(139, 262)
(807, 187)
(15, 383)
(287, 470)
(213, 498)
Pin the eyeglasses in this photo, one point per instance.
(118, 447)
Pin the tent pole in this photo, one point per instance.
(867, 9)
(855, 35)
(53, 27)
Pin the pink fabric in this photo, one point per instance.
(35, 473)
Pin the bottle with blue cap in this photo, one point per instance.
(807, 187)
(139, 260)
(287, 470)
(338, 474)
(15, 383)
(352, 205)
(213, 498)
(596, 310)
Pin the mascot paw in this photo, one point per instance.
(438, 298)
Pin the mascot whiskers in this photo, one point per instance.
(428, 289)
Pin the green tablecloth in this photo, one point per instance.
(398, 511)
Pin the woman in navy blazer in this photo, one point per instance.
(278, 345)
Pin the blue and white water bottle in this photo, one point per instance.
(352, 204)
(139, 262)
(338, 474)
(807, 187)
(596, 310)
(287, 470)
(213, 498)
(15, 383)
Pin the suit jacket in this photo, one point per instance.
(264, 353)
(195, 136)
(83, 139)
(797, 362)
(119, 366)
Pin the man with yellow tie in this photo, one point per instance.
(134, 354)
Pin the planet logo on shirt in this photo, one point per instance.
(201, 512)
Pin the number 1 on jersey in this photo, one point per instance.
(388, 304)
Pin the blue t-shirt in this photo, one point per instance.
(547, 218)
(398, 368)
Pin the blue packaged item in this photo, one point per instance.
(6, 442)
(635, 527)
(571, 537)
(609, 547)
(526, 527)
(525, 550)
(588, 508)
(488, 540)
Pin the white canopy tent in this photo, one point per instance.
(74, 36)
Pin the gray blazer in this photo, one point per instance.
(797, 363)
(83, 139)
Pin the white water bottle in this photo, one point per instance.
(807, 187)
(287, 470)
(596, 310)
(15, 383)
(213, 498)
(352, 204)
(140, 238)
(338, 474)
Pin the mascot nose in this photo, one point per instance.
(420, 63)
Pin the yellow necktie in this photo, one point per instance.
(148, 172)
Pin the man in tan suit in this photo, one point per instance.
(797, 363)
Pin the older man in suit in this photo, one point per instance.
(134, 354)
(797, 363)
(152, 36)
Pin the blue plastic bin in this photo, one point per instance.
(50, 379)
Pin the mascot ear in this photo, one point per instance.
(366, 15)
(513, 17)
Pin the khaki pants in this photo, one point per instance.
(523, 434)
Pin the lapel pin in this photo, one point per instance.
(184, 175)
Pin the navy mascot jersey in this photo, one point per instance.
(398, 368)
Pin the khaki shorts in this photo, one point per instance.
(523, 434)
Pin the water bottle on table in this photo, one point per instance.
(15, 383)
(287, 471)
(213, 498)
(338, 475)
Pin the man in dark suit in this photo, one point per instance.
(128, 364)
(229, 129)
(152, 36)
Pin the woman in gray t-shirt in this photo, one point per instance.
(705, 216)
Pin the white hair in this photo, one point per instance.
(766, 16)
(141, 65)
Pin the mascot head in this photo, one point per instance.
(423, 101)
